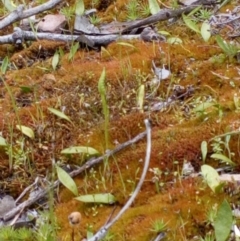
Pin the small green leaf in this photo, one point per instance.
(26, 89)
(79, 8)
(204, 150)
(223, 158)
(59, 114)
(79, 150)
(206, 31)
(9, 5)
(211, 176)
(174, 40)
(73, 51)
(67, 180)
(26, 131)
(229, 49)
(55, 60)
(140, 97)
(107, 198)
(153, 6)
(190, 23)
(101, 83)
(4, 65)
(164, 32)
(203, 106)
(223, 222)
(2, 141)
(126, 44)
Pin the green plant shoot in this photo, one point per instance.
(223, 221)
(102, 91)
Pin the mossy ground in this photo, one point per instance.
(177, 131)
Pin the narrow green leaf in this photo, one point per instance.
(190, 23)
(223, 158)
(9, 5)
(107, 198)
(101, 83)
(59, 114)
(73, 51)
(126, 44)
(2, 141)
(79, 8)
(67, 180)
(26, 131)
(153, 6)
(26, 89)
(140, 97)
(204, 150)
(206, 31)
(80, 150)
(55, 60)
(223, 222)
(221, 44)
(174, 40)
(211, 176)
(164, 32)
(228, 48)
(203, 106)
(4, 65)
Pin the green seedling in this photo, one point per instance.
(204, 150)
(223, 222)
(79, 10)
(132, 10)
(159, 226)
(153, 6)
(103, 93)
(55, 60)
(59, 114)
(208, 237)
(73, 50)
(229, 49)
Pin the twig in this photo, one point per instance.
(103, 231)
(20, 13)
(160, 237)
(160, 16)
(100, 40)
(74, 173)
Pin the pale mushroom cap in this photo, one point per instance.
(75, 218)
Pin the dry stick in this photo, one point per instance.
(160, 236)
(98, 40)
(20, 13)
(29, 35)
(74, 173)
(160, 16)
(103, 231)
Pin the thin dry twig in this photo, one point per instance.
(103, 231)
(101, 40)
(20, 13)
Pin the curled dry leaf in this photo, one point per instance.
(52, 23)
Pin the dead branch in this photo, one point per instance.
(98, 40)
(22, 35)
(160, 16)
(20, 13)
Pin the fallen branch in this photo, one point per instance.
(98, 40)
(74, 173)
(20, 13)
(162, 15)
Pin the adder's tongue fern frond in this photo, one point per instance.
(103, 92)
